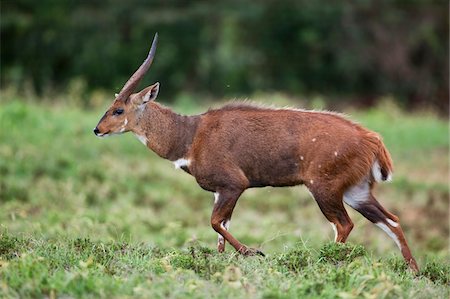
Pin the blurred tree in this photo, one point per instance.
(360, 49)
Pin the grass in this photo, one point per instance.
(84, 217)
(84, 268)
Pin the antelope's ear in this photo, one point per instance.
(147, 94)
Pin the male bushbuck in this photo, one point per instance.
(241, 146)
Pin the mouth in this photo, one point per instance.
(101, 135)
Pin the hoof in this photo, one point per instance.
(413, 266)
(251, 252)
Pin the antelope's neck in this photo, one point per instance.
(166, 133)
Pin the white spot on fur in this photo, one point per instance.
(314, 140)
(389, 232)
(301, 158)
(125, 122)
(320, 166)
(311, 181)
(220, 239)
(216, 197)
(335, 231)
(142, 138)
(226, 225)
(335, 153)
(181, 162)
(391, 222)
(357, 194)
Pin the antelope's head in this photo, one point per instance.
(128, 104)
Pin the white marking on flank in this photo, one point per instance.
(335, 153)
(142, 138)
(311, 181)
(357, 194)
(314, 140)
(320, 166)
(181, 162)
(301, 158)
(389, 232)
(391, 222)
(335, 231)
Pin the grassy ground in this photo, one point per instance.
(85, 217)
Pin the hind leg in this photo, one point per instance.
(225, 224)
(361, 199)
(333, 209)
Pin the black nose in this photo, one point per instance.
(96, 131)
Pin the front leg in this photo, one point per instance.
(225, 201)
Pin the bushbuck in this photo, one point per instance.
(241, 146)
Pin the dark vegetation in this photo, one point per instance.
(357, 50)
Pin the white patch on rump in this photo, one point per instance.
(335, 230)
(357, 194)
(181, 162)
(376, 173)
(391, 222)
(389, 232)
(142, 138)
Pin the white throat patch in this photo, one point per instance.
(142, 138)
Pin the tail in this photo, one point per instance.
(382, 166)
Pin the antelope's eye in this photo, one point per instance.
(118, 111)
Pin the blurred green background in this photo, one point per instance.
(352, 51)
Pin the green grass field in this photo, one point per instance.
(87, 217)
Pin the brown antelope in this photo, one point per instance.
(241, 146)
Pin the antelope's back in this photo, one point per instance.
(274, 147)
